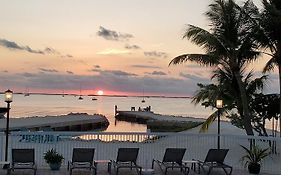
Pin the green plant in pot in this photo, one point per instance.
(253, 158)
(53, 158)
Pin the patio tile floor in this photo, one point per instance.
(102, 170)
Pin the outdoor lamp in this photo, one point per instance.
(8, 96)
(8, 100)
(219, 104)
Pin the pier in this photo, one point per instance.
(158, 122)
(69, 122)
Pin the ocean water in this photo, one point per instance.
(43, 105)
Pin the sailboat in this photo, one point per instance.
(80, 97)
(94, 98)
(26, 93)
(143, 101)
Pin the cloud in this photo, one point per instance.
(5, 71)
(113, 35)
(26, 74)
(194, 77)
(156, 54)
(67, 55)
(14, 46)
(113, 52)
(50, 50)
(145, 66)
(113, 72)
(108, 80)
(132, 47)
(157, 73)
(48, 70)
(69, 72)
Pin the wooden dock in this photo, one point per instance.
(70, 122)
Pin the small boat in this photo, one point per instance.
(80, 98)
(26, 93)
(143, 101)
(94, 99)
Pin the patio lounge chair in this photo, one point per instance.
(82, 158)
(215, 159)
(23, 159)
(172, 159)
(127, 158)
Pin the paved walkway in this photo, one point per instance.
(103, 171)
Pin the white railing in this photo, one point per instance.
(152, 145)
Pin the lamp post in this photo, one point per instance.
(219, 105)
(8, 100)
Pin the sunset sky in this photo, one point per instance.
(118, 46)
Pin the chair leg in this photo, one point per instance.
(70, 171)
(226, 171)
(210, 169)
(94, 171)
(187, 170)
(166, 169)
(68, 166)
(152, 166)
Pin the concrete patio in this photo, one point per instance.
(102, 170)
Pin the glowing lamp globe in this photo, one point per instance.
(219, 104)
(8, 96)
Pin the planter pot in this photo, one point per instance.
(254, 168)
(55, 166)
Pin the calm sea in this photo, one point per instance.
(42, 105)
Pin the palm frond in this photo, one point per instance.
(269, 66)
(203, 38)
(208, 122)
(202, 59)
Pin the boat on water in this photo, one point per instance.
(26, 93)
(93, 99)
(80, 96)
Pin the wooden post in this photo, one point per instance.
(115, 110)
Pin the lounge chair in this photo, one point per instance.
(82, 158)
(215, 159)
(23, 159)
(127, 158)
(172, 159)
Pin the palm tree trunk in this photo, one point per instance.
(246, 113)
(279, 68)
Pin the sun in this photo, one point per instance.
(100, 92)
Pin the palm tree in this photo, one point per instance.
(228, 46)
(226, 90)
(270, 37)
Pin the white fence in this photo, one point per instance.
(152, 145)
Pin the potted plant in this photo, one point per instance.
(253, 158)
(53, 158)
